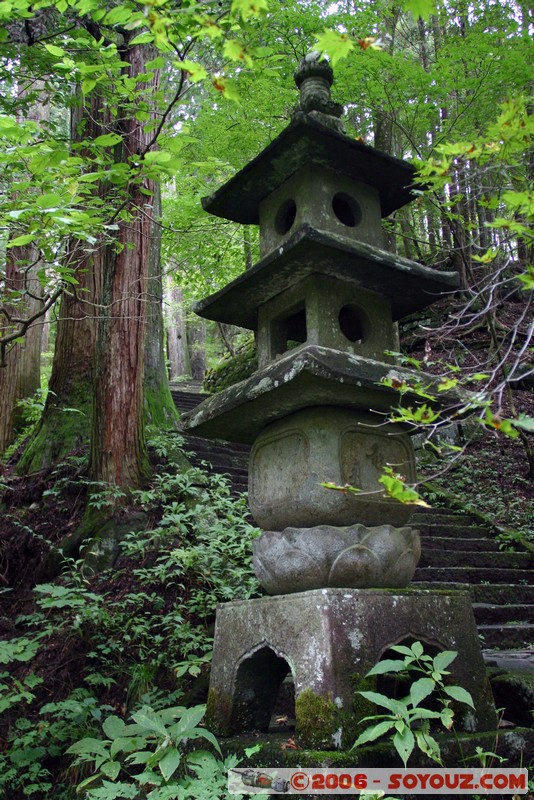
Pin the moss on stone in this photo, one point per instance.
(318, 720)
(218, 713)
(361, 706)
(232, 369)
(513, 690)
(455, 748)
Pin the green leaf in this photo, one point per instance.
(443, 659)
(156, 63)
(428, 745)
(54, 50)
(404, 743)
(47, 201)
(113, 727)
(370, 734)
(118, 16)
(386, 702)
(526, 423)
(401, 648)
(111, 769)
(169, 763)
(250, 751)
(334, 44)
(143, 38)
(527, 279)
(157, 157)
(421, 689)
(388, 665)
(396, 488)
(420, 8)
(202, 733)
(417, 649)
(249, 8)
(227, 87)
(88, 85)
(235, 50)
(18, 241)
(89, 746)
(107, 139)
(189, 720)
(149, 720)
(459, 694)
(447, 718)
(423, 713)
(126, 744)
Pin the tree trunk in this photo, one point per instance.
(159, 406)
(65, 423)
(196, 340)
(20, 378)
(177, 333)
(118, 446)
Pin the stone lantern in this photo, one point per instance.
(324, 299)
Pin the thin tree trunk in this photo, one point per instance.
(159, 406)
(196, 340)
(20, 378)
(176, 332)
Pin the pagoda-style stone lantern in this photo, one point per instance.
(323, 299)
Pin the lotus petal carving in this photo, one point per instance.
(353, 557)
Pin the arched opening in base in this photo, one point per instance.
(257, 689)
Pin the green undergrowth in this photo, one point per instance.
(125, 645)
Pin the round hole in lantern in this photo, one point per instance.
(346, 209)
(353, 323)
(285, 217)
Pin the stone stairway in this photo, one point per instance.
(458, 552)
(224, 458)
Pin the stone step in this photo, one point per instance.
(440, 516)
(466, 545)
(452, 531)
(185, 401)
(470, 574)
(493, 614)
(495, 593)
(217, 445)
(506, 636)
(478, 559)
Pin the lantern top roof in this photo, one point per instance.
(315, 135)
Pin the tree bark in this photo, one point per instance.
(177, 332)
(196, 341)
(20, 378)
(159, 406)
(65, 423)
(118, 447)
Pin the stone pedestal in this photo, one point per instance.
(329, 639)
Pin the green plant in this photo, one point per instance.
(150, 757)
(407, 721)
